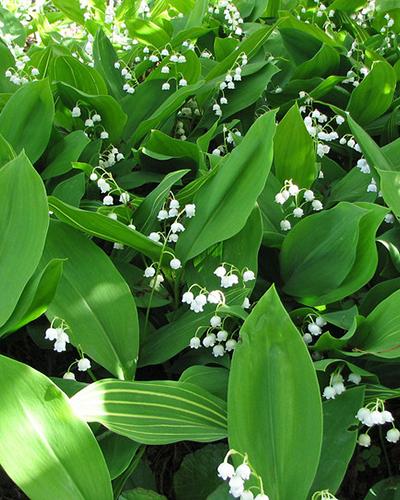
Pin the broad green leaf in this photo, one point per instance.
(158, 412)
(326, 276)
(60, 157)
(103, 227)
(213, 379)
(7, 153)
(379, 334)
(390, 178)
(141, 494)
(377, 90)
(312, 267)
(169, 106)
(339, 441)
(294, 152)
(323, 63)
(51, 453)
(196, 477)
(36, 296)
(23, 228)
(69, 70)
(146, 214)
(278, 420)
(95, 301)
(226, 200)
(71, 190)
(27, 118)
(105, 57)
(387, 489)
(171, 338)
(118, 452)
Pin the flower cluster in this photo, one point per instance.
(170, 234)
(320, 128)
(216, 335)
(58, 335)
(375, 414)
(336, 385)
(232, 76)
(314, 325)
(231, 15)
(298, 199)
(238, 476)
(83, 365)
(92, 123)
(20, 74)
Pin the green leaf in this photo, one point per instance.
(82, 77)
(63, 153)
(377, 90)
(339, 441)
(7, 153)
(23, 228)
(296, 162)
(158, 412)
(340, 261)
(52, 453)
(146, 214)
(379, 334)
(213, 379)
(141, 494)
(118, 452)
(169, 106)
(105, 57)
(36, 296)
(226, 200)
(389, 177)
(103, 227)
(278, 420)
(95, 301)
(387, 489)
(27, 118)
(196, 478)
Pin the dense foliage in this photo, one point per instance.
(200, 249)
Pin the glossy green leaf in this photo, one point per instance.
(141, 494)
(7, 153)
(95, 301)
(105, 57)
(27, 118)
(158, 412)
(23, 228)
(118, 452)
(339, 441)
(146, 214)
(196, 477)
(278, 420)
(390, 178)
(169, 106)
(103, 227)
(314, 267)
(377, 90)
(60, 157)
(340, 261)
(51, 452)
(379, 334)
(36, 296)
(226, 200)
(82, 77)
(294, 151)
(213, 379)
